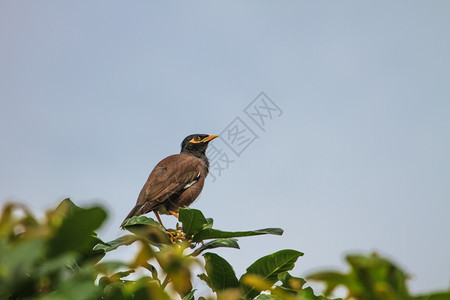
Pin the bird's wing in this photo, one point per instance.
(169, 177)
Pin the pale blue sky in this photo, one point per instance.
(94, 94)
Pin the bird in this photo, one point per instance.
(176, 181)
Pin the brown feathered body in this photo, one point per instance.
(175, 182)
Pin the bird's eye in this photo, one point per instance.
(196, 139)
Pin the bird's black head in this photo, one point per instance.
(196, 144)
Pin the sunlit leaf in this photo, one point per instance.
(268, 268)
(144, 254)
(142, 288)
(256, 283)
(290, 282)
(332, 280)
(8, 221)
(181, 280)
(229, 294)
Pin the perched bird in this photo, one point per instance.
(176, 181)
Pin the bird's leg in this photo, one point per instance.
(173, 214)
(159, 219)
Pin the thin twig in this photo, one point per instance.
(166, 281)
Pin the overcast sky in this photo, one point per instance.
(353, 154)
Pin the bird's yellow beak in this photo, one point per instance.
(209, 138)
(205, 140)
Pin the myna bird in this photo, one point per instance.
(177, 180)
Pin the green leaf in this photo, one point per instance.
(119, 275)
(147, 228)
(79, 285)
(139, 220)
(208, 233)
(192, 220)
(308, 294)
(9, 220)
(79, 290)
(433, 296)
(18, 263)
(227, 243)
(290, 282)
(371, 276)
(76, 232)
(268, 268)
(113, 245)
(220, 273)
(209, 223)
(268, 297)
(189, 296)
(109, 267)
(139, 289)
(378, 276)
(332, 280)
(56, 264)
(67, 207)
(152, 270)
(206, 279)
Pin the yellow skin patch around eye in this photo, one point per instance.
(206, 139)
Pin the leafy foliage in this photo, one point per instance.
(52, 259)
(267, 269)
(220, 275)
(371, 277)
(61, 257)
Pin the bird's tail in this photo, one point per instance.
(136, 211)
